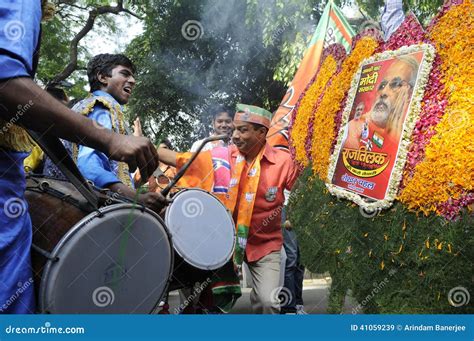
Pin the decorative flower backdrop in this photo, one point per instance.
(412, 116)
(439, 169)
(443, 179)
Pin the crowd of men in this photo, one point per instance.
(251, 184)
(250, 179)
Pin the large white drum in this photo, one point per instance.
(116, 260)
(202, 232)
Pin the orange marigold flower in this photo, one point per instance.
(447, 172)
(305, 110)
(323, 131)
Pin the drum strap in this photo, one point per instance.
(44, 253)
(44, 187)
(59, 155)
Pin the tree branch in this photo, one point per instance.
(73, 47)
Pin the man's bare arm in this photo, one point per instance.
(46, 114)
(152, 200)
(167, 156)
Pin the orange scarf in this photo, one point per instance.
(240, 196)
(245, 199)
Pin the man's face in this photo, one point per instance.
(359, 111)
(397, 76)
(223, 124)
(247, 138)
(120, 84)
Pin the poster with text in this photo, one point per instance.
(372, 136)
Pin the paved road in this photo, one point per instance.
(315, 297)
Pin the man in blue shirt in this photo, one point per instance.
(111, 80)
(23, 103)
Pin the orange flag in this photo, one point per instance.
(332, 28)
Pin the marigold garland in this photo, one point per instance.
(339, 53)
(433, 108)
(299, 128)
(438, 173)
(445, 176)
(323, 122)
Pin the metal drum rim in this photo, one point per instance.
(179, 252)
(76, 227)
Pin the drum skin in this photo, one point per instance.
(203, 236)
(118, 259)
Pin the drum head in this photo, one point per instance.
(118, 263)
(202, 229)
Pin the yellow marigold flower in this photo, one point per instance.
(299, 130)
(323, 124)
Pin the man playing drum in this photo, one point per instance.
(24, 103)
(111, 80)
(249, 177)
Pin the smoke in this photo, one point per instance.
(217, 53)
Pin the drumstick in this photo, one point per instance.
(183, 169)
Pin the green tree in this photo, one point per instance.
(63, 54)
(244, 51)
(423, 9)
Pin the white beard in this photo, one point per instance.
(380, 115)
(380, 118)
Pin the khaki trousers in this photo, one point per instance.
(265, 278)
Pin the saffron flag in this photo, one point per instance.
(332, 28)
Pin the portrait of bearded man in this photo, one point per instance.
(388, 112)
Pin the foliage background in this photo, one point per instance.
(419, 258)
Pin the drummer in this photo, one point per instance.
(23, 102)
(111, 80)
(253, 190)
